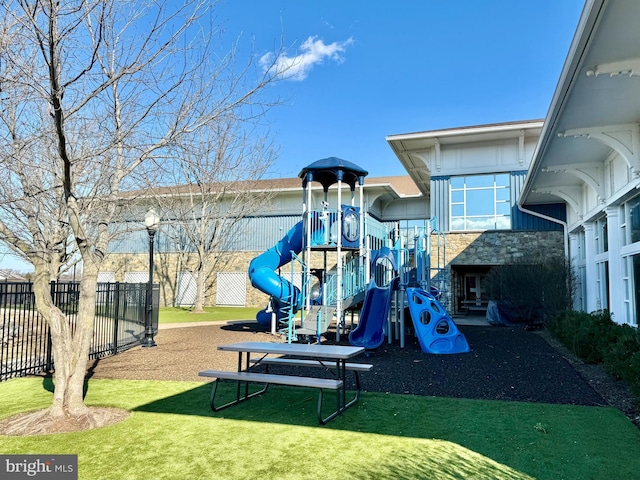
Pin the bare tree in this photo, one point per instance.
(533, 289)
(95, 95)
(216, 176)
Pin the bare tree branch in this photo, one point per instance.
(96, 94)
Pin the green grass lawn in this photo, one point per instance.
(172, 434)
(183, 314)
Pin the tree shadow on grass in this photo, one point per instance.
(279, 405)
(49, 385)
(297, 407)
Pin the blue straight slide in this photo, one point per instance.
(263, 276)
(370, 331)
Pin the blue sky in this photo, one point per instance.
(376, 68)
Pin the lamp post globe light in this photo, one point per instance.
(151, 221)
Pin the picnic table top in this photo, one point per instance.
(337, 352)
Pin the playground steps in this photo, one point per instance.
(352, 300)
(311, 320)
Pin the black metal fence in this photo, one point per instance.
(25, 338)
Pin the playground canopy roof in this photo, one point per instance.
(331, 170)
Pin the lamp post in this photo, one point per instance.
(151, 221)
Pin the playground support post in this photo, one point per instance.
(340, 315)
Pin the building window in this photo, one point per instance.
(631, 288)
(604, 235)
(633, 319)
(602, 269)
(624, 240)
(581, 289)
(481, 202)
(632, 222)
(627, 264)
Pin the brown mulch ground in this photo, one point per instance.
(505, 363)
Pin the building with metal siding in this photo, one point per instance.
(439, 189)
(439, 193)
(128, 253)
(471, 177)
(498, 152)
(524, 221)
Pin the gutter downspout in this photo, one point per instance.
(565, 227)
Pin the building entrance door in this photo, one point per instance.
(474, 296)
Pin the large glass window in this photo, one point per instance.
(481, 202)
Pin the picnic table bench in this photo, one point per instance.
(331, 357)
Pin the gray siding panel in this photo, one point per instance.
(440, 201)
(250, 234)
(260, 233)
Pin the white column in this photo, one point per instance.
(339, 313)
(362, 214)
(591, 274)
(306, 275)
(616, 292)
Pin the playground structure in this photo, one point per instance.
(347, 262)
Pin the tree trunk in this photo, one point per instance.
(200, 281)
(70, 340)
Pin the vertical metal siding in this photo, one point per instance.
(525, 221)
(250, 234)
(440, 201)
(256, 234)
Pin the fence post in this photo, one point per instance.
(116, 315)
(49, 365)
(52, 286)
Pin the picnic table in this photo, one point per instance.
(329, 358)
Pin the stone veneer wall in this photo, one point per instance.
(493, 248)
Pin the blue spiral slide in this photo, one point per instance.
(263, 276)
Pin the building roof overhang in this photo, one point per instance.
(595, 109)
(411, 147)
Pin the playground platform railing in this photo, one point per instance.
(353, 278)
(321, 226)
(377, 232)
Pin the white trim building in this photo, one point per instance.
(588, 156)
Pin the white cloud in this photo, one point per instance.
(312, 52)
